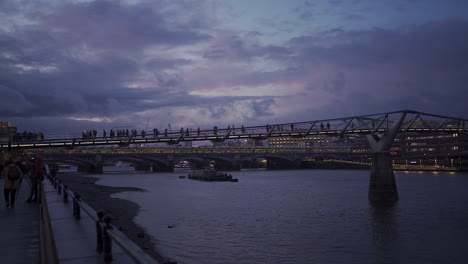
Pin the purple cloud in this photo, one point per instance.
(123, 62)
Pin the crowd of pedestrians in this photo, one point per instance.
(126, 133)
(15, 172)
(120, 133)
(28, 136)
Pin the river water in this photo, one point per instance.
(301, 216)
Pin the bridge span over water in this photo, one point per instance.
(374, 124)
(163, 159)
(380, 130)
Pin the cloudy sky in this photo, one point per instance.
(68, 66)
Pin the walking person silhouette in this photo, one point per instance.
(12, 174)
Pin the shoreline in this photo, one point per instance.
(123, 211)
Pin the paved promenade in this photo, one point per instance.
(19, 229)
(74, 239)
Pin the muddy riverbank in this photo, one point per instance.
(123, 211)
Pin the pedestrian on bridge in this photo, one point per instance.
(12, 175)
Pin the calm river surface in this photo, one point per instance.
(301, 216)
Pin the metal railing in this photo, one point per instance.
(412, 122)
(106, 233)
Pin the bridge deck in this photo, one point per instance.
(19, 229)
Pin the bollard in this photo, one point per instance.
(65, 193)
(107, 239)
(76, 206)
(100, 240)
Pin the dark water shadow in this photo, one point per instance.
(384, 232)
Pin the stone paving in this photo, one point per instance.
(75, 239)
(19, 229)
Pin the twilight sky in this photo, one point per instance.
(68, 66)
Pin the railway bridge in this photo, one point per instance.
(92, 160)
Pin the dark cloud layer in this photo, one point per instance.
(106, 63)
(420, 67)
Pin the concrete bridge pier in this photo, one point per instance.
(95, 168)
(143, 166)
(236, 163)
(90, 168)
(160, 167)
(382, 184)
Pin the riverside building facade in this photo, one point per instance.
(423, 149)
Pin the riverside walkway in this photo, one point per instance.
(48, 233)
(19, 229)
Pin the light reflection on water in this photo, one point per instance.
(301, 216)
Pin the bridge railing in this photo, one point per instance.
(106, 233)
(414, 122)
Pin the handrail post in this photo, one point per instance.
(59, 186)
(100, 240)
(65, 193)
(76, 206)
(107, 239)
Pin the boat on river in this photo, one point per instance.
(210, 174)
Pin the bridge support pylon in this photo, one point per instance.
(89, 168)
(382, 184)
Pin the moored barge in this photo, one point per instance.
(210, 174)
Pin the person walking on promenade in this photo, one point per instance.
(12, 174)
(35, 178)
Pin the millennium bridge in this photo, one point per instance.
(380, 130)
(374, 125)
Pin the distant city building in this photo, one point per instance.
(317, 141)
(6, 131)
(239, 143)
(311, 141)
(449, 150)
(187, 143)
